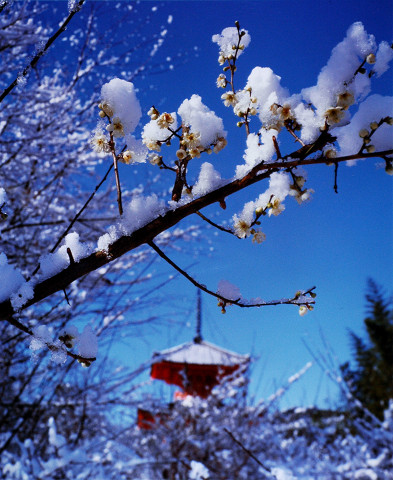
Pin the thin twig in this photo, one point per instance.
(223, 229)
(115, 164)
(77, 215)
(39, 54)
(249, 453)
(335, 177)
(295, 136)
(227, 301)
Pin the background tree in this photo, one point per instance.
(371, 379)
(46, 171)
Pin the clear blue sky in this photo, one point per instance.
(334, 242)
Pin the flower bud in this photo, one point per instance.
(259, 211)
(363, 133)
(127, 156)
(389, 168)
(370, 148)
(303, 310)
(374, 125)
(370, 59)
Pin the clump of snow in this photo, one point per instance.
(229, 37)
(13, 285)
(209, 179)
(43, 338)
(120, 96)
(365, 474)
(282, 474)
(310, 122)
(198, 471)
(383, 56)
(3, 196)
(137, 148)
(87, 343)
(201, 120)
(54, 438)
(22, 295)
(279, 187)
(138, 213)
(152, 132)
(53, 263)
(228, 290)
(373, 109)
(266, 88)
(345, 59)
(259, 149)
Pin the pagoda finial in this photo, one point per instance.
(198, 337)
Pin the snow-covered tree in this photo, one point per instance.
(49, 178)
(51, 243)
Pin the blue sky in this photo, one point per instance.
(335, 242)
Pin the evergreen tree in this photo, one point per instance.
(371, 381)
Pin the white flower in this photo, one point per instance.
(116, 127)
(151, 145)
(220, 144)
(229, 99)
(276, 207)
(192, 140)
(106, 109)
(155, 159)
(334, 115)
(258, 237)
(285, 112)
(370, 59)
(330, 152)
(180, 154)
(99, 143)
(153, 113)
(389, 169)
(345, 99)
(195, 152)
(242, 229)
(165, 120)
(221, 81)
(127, 157)
(303, 310)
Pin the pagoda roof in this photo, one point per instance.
(200, 353)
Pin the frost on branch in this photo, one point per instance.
(13, 285)
(72, 251)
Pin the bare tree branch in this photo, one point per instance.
(226, 301)
(41, 52)
(160, 224)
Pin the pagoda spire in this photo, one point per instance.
(198, 336)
